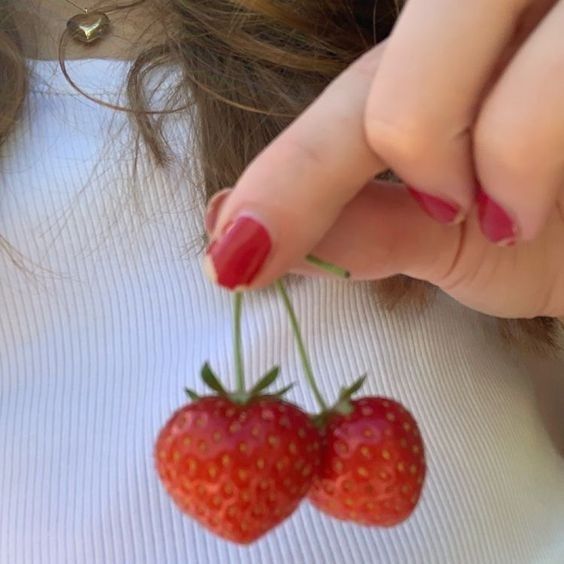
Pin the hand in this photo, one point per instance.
(310, 189)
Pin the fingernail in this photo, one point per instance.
(214, 205)
(497, 225)
(439, 209)
(235, 259)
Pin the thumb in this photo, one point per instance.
(382, 232)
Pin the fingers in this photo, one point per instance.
(292, 193)
(379, 233)
(423, 101)
(382, 232)
(519, 138)
(412, 108)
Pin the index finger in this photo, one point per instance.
(293, 191)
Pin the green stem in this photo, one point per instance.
(328, 267)
(301, 347)
(238, 343)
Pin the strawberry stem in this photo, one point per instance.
(328, 267)
(238, 343)
(301, 347)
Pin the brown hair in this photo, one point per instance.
(13, 87)
(251, 66)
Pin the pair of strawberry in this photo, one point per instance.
(241, 462)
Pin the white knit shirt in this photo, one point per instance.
(111, 317)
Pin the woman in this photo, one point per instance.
(107, 315)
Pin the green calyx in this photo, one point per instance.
(240, 397)
(343, 404)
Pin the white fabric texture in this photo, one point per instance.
(99, 336)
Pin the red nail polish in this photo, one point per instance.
(238, 255)
(496, 224)
(439, 209)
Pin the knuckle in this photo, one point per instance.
(307, 151)
(396, 140)
(367, 64)
(293, 146)
(549, 298)
(455, 268)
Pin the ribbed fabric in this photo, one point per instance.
(112, 316)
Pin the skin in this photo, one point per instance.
(440, 117)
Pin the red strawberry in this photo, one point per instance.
(373, 464)
(239, 465)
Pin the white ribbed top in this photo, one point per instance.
(99, 338)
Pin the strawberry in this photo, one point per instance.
(238, 463)
(373, 462)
